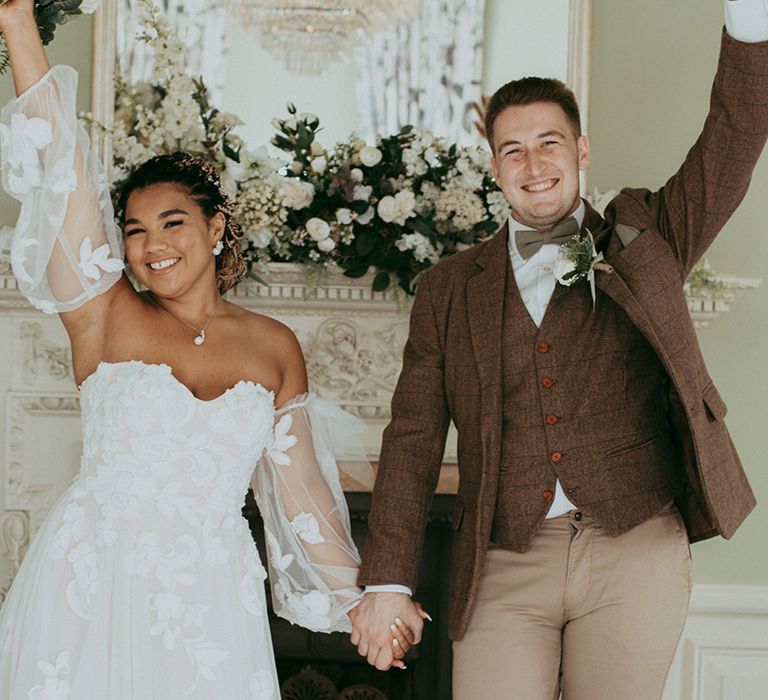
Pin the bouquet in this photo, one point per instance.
(395, 206)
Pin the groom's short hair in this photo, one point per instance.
(526, 91)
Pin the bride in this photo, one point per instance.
(144, 581)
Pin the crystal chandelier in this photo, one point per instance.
(307, 35)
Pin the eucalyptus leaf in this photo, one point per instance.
(365, 242)
(356, 272)
(380, 282)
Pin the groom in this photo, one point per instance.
(591, 444)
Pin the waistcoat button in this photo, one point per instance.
(556, 456)
(542, 347)
(547, 382)
(548, 495)
(577, 516)
(551, 420)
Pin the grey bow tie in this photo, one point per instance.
(529, 242)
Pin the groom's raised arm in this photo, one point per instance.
(696, 202)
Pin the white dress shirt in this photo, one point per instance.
(745, 20)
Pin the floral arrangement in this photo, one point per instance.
(396, 206)
(49, 14)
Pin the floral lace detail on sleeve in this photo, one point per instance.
(282, 441)
(66, 248)
(313, 560)
(92, 262)
(22, 142)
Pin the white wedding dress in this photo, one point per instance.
(144, 582)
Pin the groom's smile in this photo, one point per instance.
(536, 162)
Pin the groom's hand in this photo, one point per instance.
(371, 626)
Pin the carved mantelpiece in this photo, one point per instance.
(705, 307)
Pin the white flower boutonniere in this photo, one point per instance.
(578, 260)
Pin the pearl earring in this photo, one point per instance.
(218, 247)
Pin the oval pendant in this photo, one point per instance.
(200, 339)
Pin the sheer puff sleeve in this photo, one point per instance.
(66, 248)
(313, 561)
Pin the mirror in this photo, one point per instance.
(428, 74)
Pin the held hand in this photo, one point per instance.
(372, 630)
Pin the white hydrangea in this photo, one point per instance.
(420, 245)
(498, 206)
(460, 206)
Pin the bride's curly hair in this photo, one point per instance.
(201, 181)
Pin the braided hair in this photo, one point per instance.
(200, 180)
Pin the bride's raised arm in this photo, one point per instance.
(313, 561)
(66, 248)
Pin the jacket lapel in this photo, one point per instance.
(613, 284)
(485, 309)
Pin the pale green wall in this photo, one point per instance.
(72, 46)
(652, 67)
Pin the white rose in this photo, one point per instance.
(370, 156)
(319, 165)
(366, 218)
(406, 201)
(291, 123)
(318, 229)
(344, 215)
(297, 194)
(362, 192)
(562, 268)
(262, 238)
(388, 209)
(409, 156)
(356, 174)
(360, 144)
(326, 245)
(317, 149)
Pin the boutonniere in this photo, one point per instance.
(578, 260)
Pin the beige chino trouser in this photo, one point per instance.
(581, 613)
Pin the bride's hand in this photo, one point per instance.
(14, 11)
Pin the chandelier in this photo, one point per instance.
(307, 35)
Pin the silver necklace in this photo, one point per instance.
(200, 337)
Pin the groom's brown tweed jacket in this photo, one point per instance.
(459, 313)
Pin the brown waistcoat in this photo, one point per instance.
(583, 400)
(453, 369)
